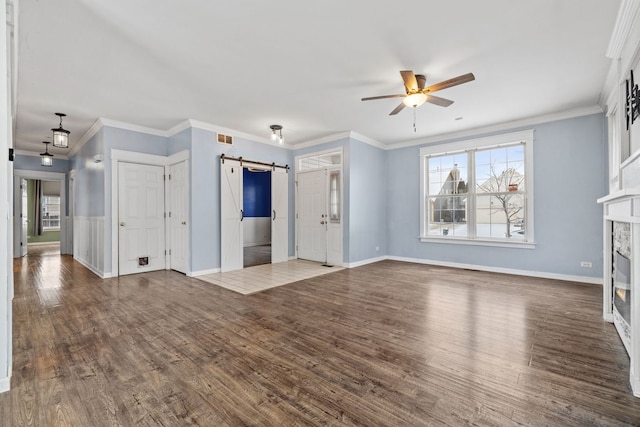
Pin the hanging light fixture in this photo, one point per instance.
(276, 134)
(46, 158)
(60, 135)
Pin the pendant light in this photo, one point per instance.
(276, 134)
(46, 158)
(60, 135)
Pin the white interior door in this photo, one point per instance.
(141, 231)
(312, 215)
(279, 215)
(179, 217)
(231, 215)
(24, 217)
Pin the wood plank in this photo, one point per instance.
(389, 343)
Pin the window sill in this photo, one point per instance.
(478, 242)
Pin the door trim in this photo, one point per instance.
(118, 156)
(343, 207)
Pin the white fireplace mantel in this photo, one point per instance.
(624, 206)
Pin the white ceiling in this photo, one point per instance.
(305, 65)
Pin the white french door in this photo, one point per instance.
(231, 216)
(179, 217)
(279, 215)
(141, 225)
(312, 215)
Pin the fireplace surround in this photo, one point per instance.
(621, 286)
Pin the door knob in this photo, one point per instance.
(322, 222)
(122, 224)
(184, 222)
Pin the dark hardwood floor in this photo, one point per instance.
(388, 344)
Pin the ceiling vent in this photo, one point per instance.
(225, 139)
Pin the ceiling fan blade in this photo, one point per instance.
(422, 80)
(465, 78)
(443, 102)
(410, 83)
(382, 97)
(397, 109)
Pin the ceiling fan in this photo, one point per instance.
(417, 94)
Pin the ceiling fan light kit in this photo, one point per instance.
(415, 99)
(417, 94)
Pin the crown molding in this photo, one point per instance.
(569, 114)
(219, 129)
(323, 140)
(185, 124)
(36, 154)
(95, 127)
(135, 128)
(367, 140)
(627, 14)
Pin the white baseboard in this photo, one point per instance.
(5, 384)
(540, 274)
(293, 257)
(203, 272)
(608, 318)
(363, 262)
(91, 268)
(53, 242)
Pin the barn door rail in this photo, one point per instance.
(249, 163)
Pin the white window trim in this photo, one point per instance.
(525, 136)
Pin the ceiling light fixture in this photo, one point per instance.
(276, 134)
(415, 99)
(60, 135)
(46, 158)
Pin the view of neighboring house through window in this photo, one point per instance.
(50, 212)
(479, 191)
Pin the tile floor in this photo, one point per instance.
(262, 277)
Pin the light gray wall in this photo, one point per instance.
(569, 175)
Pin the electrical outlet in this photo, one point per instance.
(586, 264)
(377, 248)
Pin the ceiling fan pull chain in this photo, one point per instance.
(414, 120)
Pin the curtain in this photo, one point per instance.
(37, 207)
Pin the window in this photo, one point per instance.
(50, 212)
(477, 191)
(334, 196)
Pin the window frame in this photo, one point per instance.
(43, 217)
(472, 145)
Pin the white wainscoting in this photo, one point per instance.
(257, 231)
(88, 242)
(66, 241)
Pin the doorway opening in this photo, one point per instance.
(258, 223)
(40, 214)
(256, 226)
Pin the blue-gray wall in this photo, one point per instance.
(89, 186)
(569, 175)
(33, 163)
(205, 190)
(367, 225)
(381, 196)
